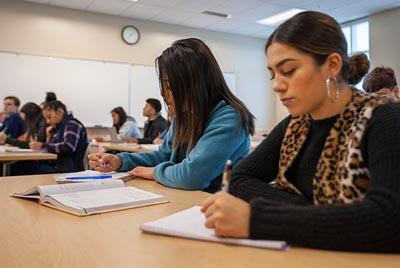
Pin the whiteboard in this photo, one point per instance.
(90, 89)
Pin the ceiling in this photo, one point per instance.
(244, 12)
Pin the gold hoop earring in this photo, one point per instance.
(328, 89)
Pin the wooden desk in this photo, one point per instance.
(37, 236)
(124, 147)
(6, 158)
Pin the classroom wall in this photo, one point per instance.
(384, 33)
(47, 30)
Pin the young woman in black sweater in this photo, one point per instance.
(327, 176)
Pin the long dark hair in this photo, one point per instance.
(122, 117)
(319, 35)
(33, 115)
(197, 86)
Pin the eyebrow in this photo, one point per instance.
(281, 63)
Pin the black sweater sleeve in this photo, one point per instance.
(369, 225)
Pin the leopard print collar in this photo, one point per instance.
(341, 174)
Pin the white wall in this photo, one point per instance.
(46, 30)
(384, 34)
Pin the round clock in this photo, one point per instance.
(130, 34)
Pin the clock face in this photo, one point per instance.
(130, 35)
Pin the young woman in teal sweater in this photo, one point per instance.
(210, 125)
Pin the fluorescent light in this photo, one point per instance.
(276, 19)
(133, 0)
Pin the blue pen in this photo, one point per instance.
(95, 177)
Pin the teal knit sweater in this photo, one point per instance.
(224, 138)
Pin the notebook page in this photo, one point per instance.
(189, 223)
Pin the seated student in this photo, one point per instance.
(35, 127)
(125, 126)
(210, 125)
(13, 125)
(334, 161)
(381, 80)
(66, 137)
(155, 123)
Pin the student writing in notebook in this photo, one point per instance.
(334, 160)
(35, 127)
(66, 136)
(210, 124)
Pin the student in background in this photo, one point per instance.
(210, 124)
(381, 80)
(13, 125)
(155, 123)
(66, 136)
(125, 126)
(35, 127)
(334, 160)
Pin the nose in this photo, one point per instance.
(279, 85)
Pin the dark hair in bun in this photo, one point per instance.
(358, 67)
(320, 35)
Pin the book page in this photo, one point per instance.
(77, 187)
(104, 199)
(189, 223)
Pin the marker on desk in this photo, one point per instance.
(226, 176)
(95, 177)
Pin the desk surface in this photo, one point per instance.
(37, 236)
(22, 156)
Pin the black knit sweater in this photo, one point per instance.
(370, 225)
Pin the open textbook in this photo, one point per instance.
(89, 198)
(189, 223)
(91, 175)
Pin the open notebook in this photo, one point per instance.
(89, 198)
(91, 175)
(189, 223)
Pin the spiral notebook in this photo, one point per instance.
(189, 224)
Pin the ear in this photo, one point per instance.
(333, 64)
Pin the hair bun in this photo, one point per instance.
(358, 67)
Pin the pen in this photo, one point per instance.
(226, 176)
(101, 151)
(96, 177)
(101, 148)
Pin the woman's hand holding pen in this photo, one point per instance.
(35, 145)
(104, 162)
(228, 215)
(49, 133)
